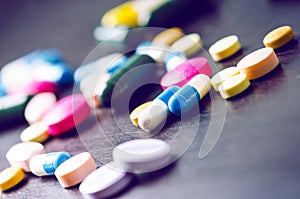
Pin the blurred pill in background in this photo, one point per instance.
(38, 105)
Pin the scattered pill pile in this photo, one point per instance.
(28, 87)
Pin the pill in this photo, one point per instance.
(233, 86)
(46, 164)
(113, 33)
(278, 37)
(107, 63)
(75, 169)
(186, 71)
(136, 112)
(20, 154)
(156, 51)
(225, 47)
(155, 115)
(131, 13)
(121, 15)
(66, 114)
(174, 61)
(34, 88)
(38, 105)
(10, 177)
(142, 155)
(37, 132)
(188, 44)
(258, 63)
(168, 36)
(12, 107)
(41, 66)
(91, 85)
(105, 182)
(189, 95)
(223, 75)
(132, 62)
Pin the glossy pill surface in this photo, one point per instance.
(258, 63)
(154, 50)
(142, 155)
(189, 95)
(137, 111)
(188, 44)
(168, 36)
(20, 154)
(223, 75)
(46, 164)
(278, 37)
(75, 169)
(104, 182)
(184, 72)
(37, 132)
(10, 177)
(66, 114)
(233, 86)
(224, 47)
(38, 105)
(156, 113)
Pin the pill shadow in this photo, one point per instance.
(17, 121)
(288, 48)
(18, 186)
(276, 73)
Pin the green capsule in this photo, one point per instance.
(133, 61)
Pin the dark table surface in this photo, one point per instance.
(257, 154)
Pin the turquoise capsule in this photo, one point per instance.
(189, 95)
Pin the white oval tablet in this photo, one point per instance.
(38, 105)
(20, 154)
(142, 155)
(104, 182)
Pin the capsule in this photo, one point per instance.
(133, 62)
(46, 164)
(156, 113)
(189, 95)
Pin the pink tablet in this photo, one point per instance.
(66, 114)
(180, 75)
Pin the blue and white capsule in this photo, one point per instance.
(157, 112)
(189, 95)
(46, 164)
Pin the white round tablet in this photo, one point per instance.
(104, 182)
(20, 154)
(142, 155)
